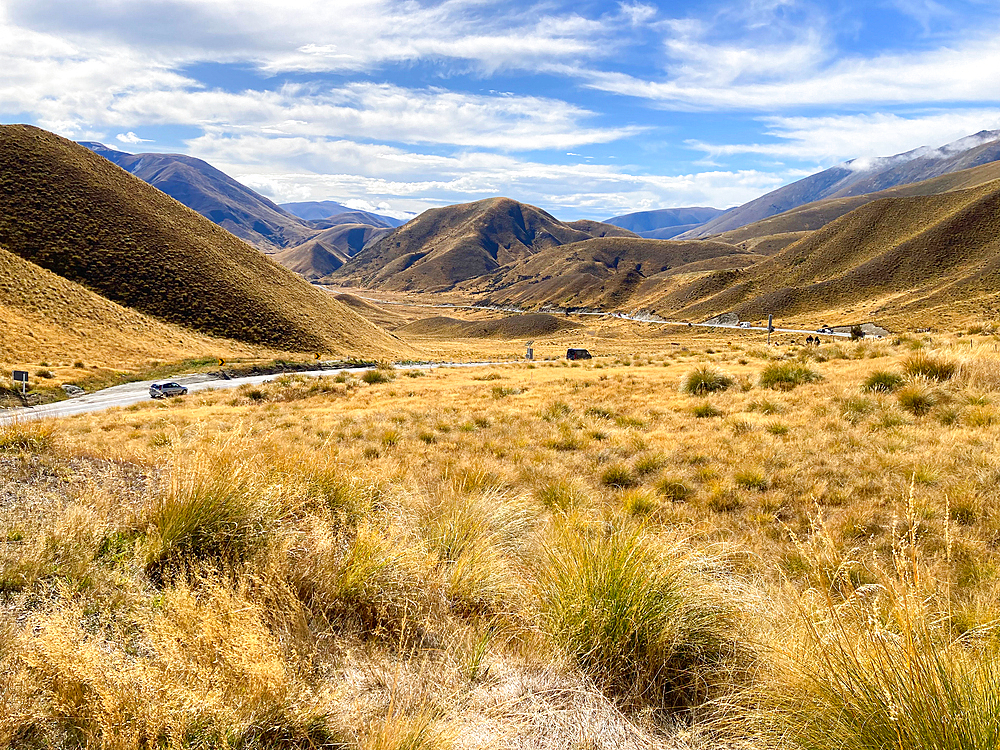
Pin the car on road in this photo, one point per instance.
(163, 390)
(825, 329)
(744, 325)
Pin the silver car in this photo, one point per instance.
(162, 390)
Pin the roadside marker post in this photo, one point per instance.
(21, 376)
(770, 328)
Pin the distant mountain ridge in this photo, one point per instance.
(664, 223)
(858, 177)
(318, 211)
(250, 216)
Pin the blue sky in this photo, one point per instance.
(587, 109)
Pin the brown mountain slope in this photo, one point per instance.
(445, 246)
(907, 255)
(812, 216)
(606, 272)
(73, 212)
(45, 317)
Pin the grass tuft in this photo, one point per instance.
(706, 379)
(882, 381)
(784, 376)
(636, 618)
(931, 367)
(27, 437)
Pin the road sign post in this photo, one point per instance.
(770, 328)
(21, 376)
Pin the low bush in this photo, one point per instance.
(705, 410)
(706, 379)
(618, 476)
(784, 376)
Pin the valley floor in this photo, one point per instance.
(705, 544)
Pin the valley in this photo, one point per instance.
(372, 524)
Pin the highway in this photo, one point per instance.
(132, 393)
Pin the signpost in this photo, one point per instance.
(770, 328)
(529, 353)
(21, 376)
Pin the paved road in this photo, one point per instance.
(132, 393)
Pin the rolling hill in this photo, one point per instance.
(71, 211)
(511, 327)
(329, 250)
(46, 317)
(858, 177)
(445, 246)
(932, 257)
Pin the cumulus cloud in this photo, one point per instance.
(300, 168)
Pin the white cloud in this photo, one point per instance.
(131, 137)
(829, 140)
(300, 168)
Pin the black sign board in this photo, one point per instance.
(20, 376)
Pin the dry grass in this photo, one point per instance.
(419, 563)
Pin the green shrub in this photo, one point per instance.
(637, 618)
(502, 391)
(882, 381)
(930, 367)
(706, 379)
(784, 376)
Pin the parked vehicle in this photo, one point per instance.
(578, 354)
(163, 390)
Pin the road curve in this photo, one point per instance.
(132, 393)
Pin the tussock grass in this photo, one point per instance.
(918, 398)
(637, 618)
(882, 381)
(877, 674)
(217, 509)
(784, 376)
(929, 366)
(706, 379)
(31, 437)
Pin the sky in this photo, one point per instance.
(585, 109)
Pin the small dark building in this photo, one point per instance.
(578, 354)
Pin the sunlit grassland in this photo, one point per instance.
(543, 555)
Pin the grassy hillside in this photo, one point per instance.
(216, 196)
(725, 546)
(909, 256)
(445, 246)
(71, 211)
(46, 318)
(812, 216)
